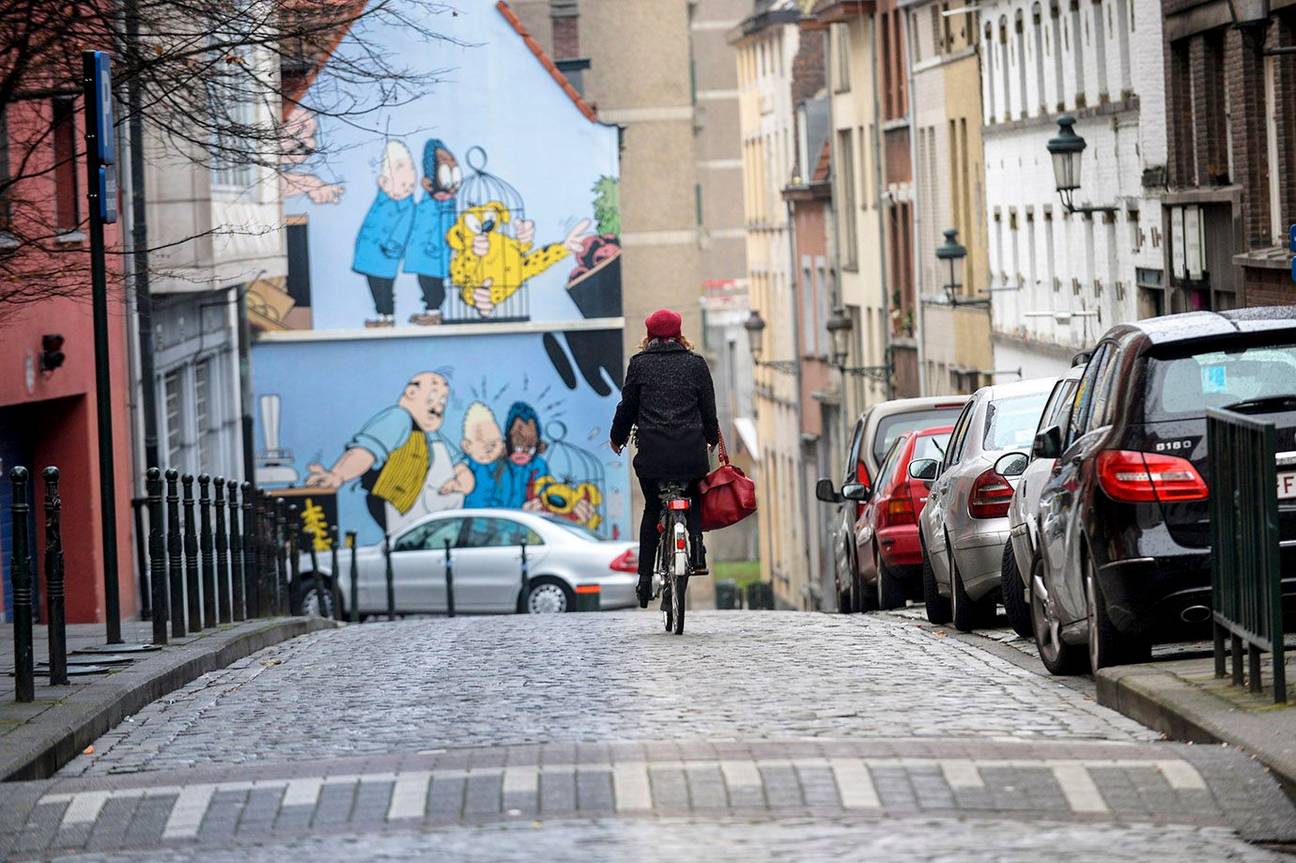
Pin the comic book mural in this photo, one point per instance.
(380, 436)
(456, 261)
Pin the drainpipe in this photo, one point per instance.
(887, 356)
(917, 217)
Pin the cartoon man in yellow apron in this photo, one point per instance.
(400, 460)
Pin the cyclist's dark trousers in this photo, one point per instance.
(652, 513)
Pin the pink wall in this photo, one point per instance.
(57, 412)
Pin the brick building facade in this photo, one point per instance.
(1232, 155)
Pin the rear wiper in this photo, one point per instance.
(1286, 400)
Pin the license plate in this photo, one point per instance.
(1287, 485)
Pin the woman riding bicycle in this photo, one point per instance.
(669, 399)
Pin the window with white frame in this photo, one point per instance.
(196, 408)
(172, 400)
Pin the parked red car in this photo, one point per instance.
(886, 532)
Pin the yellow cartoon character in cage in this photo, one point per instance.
(578, 503)
(489, 265)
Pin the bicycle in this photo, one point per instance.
(674, 554)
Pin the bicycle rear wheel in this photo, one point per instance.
(677, 597)
(668, 607)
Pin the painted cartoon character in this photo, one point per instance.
(489, 265)
(479, 474)
(298, 142)
(400, 458)
(426, 254)
(578, 503)
(380, 244)
(525, 453)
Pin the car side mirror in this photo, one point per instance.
(924, 469)
(825, 492)
(1011, 464)
(1048, 443)
(857, 491)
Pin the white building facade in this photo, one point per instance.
(1060, 279)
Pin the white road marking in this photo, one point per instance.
(1077, 785)
(409, 796)
(1181, 775)
(630, 786)
(303, 792)
(962, 773)
(855, 784)
(188, 811)
(84, 808)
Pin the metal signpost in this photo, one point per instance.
(101, 192)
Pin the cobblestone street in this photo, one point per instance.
(756, 736)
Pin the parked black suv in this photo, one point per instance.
(1124, 523)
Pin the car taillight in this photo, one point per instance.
(1146, 477)
(627, 561)
(991, 494)
(900, 509)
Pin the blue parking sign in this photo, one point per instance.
(103, 108)
(108, 193)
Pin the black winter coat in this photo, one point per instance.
(669, 397)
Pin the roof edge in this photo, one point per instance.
(546, 61)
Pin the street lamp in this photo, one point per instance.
(954, 252)
(839, 327)
(1066, 149)
(755, 327)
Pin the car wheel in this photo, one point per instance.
(966, 613)
(890, 587)
(1058, 657)
(313, 599)
(549, 596)
(938, 607)
(1014, 597)
(1107, 645)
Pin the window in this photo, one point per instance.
(1037, 27)
(233, 142)
(991, 116)
(1010, 422)
(841, 51)
(846, 155)
(1022, 100)
(1272, 119)
(1005, 66)
(430, 535)
(892, 427)
(809, 324)
(1056, 16)
(1100, 47)
(202, 413)
(866, 142)
(1058, 406)
(935, 31)
(1124, 26)
(1077, 55)
(173, 402)
(67, 211)
(1103, 390)
(1078, 424)
(498, 533)
(1179, 387)
(959, 436)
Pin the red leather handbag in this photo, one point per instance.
(728, 495)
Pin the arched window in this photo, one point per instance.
(1055, 14)
(1022, 99)
(1037, 27)
(1006, 67)
(1100, 24)
(990, 73)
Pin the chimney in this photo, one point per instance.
(565, 15)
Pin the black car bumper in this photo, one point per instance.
(1169, 594)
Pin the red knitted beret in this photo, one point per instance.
(663, 324)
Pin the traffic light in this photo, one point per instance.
(51, 352)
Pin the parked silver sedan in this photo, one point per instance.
(964, 525)
(486, 553)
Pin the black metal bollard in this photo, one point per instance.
(333, 571)
(192, 595)
(525, 596)
(355, 578)
(55, 615)
(205, 548)
(265, 552)
(281, 557)
(449, 576)
(175, 569)
(21, 576)
(138, 507)
(294, 561)
(157, 554)
(391, 578)
(222, 554)
(237, 609)
(251, 568)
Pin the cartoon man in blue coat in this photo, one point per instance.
(380, 244)
(427, 255)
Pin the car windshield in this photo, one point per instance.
(1186, 386)
(1011, 422)
(931, 446)
(578, 529)
(890, 428)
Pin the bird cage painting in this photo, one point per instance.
(490, 245)
(573, 488)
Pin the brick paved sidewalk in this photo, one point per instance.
(37, 738)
